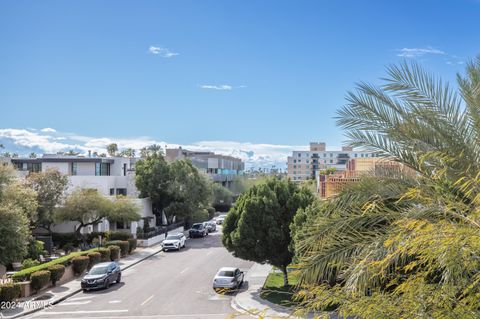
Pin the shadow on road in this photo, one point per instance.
(105, 291)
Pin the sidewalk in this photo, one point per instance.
(249, 300)
(57, 294)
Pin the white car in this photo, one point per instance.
(174, 241)
(220, 219)
(228, 278)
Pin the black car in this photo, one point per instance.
(198, 230)
(101, 276)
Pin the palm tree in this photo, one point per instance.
(112, 149)
(396, 246)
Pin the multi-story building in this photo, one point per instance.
(333, 183)
(303, 165)
(220, 168)
(109, 176)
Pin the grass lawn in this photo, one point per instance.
(274, 291)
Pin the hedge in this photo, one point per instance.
(105, 253)
(25, 274)
(9, 292)
(40, 279)
(118, 235)
(123, 244)
(114, 252)
(56, 272)
(80, 264)
(94, 258)
(132, 244)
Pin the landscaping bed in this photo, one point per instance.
(274, 291)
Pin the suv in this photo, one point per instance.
(174, 241)
(198, 230)
(101, 276)
(211, 226)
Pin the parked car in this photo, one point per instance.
(101, 276)
(198, 230)
(228, 278)
(174, 241)
(211, 226)
(220, 219)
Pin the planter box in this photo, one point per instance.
(156, 239)
(25, 289)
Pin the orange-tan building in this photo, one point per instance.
(332, 184)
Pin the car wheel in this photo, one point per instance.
(119, 278)
(107, 283)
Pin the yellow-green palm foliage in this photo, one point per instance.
(403, 247)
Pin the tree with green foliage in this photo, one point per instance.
(112, 149)
(88, 207)
(257, 228)
(152, 178)
(402, 246)
(176, 189)
(128, 152)
(50, 186)
(17, 206)
(191, 193)
(222, 197)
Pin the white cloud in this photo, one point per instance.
(418, 52)
(223, 87)
(257, 155)
(48, 130)
(163, 52)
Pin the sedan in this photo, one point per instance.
(198, 230)
(228, 278)
(101, 276)
(174, 241)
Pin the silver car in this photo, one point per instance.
(228, 278)
(211, 226)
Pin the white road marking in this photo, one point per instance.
(184, 270)
(74, 303)
(115, 301)
(80, 298)
(147, 300)
(209, 253)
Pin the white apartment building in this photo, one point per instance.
(110, 176)
(303, 165)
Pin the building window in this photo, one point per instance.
(324, 154)
(355, 155)
(299, 161)
(308, 161)
(331, 161)
(122, 191)
(73, 169)
(294, 161)
(112, 191)
(102, 169)
(294, 166)
(299, 154)
(331, 154)
(34, 167)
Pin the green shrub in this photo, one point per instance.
(61, 239)
(40, 279)
(94, 235)
(132, 245)
(105, 254)
(68, 247)
(25, 274)
(28, 263)
(114, 252)
(56, 272)
(118, 235)
(80, 264)
(35, 248)
(9, 292)
(94, 258)
(123, 244)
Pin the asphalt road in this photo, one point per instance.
(171, 285)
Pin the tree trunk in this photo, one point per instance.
(285, 276)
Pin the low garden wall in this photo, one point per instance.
(156, 239)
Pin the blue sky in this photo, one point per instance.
(196, 72)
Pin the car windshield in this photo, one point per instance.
(173, 237)
(225, 273)
(197, 226)
(98, 271)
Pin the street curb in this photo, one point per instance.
(23, 314)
